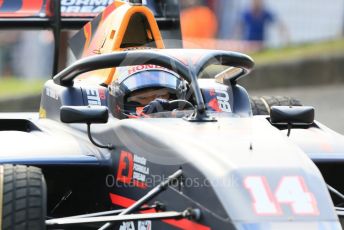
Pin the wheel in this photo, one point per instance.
(262, 105)
(22, 198)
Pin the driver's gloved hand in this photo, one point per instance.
(158, 105)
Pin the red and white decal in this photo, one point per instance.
(132, 169)
(219, 100)
(291, 191)
(223, 100)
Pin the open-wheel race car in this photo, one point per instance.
(135, 136)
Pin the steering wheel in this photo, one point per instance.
(180, 104)
(159, 105)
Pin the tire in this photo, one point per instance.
(22, 198)
(262, 105)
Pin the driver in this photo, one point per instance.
(144, 92)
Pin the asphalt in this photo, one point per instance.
(328, 102)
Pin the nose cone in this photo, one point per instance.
(257, 173)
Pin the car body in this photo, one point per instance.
(214, 167)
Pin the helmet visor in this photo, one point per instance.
(150, 79)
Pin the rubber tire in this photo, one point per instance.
(262, 105)
(23, 198)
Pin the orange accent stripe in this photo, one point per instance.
(181, 224)
(154, 29)
(108, 10)
(88, 34)
(110, 76)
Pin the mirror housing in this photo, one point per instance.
(292, 115)
(84, 114)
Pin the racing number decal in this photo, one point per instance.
(291, 190)
(263, 201)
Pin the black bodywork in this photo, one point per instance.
(198, 169)
(215, 156)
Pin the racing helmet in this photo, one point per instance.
(120, 91)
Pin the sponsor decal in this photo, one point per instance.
(141, 225)
(51, 93)
(139, 68)
(129, 225)
(213, 104)
(84, 6)
(180, 224)
(93, 97)
(218, 100)
(144, 225)
(291, 191)
(223, 100)
(132, 169)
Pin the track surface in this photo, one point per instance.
(328, 102)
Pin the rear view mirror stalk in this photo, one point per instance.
(88, 115)
(109, 146)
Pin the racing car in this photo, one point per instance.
(93, 158)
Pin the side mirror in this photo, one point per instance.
(296, 115)
(84, 114)
(88, 115)
(291, 116)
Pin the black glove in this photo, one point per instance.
(158, 105)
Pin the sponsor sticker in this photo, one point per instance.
(223, 100)
(218, 100)
(141, 225)
(93, 97)
(132, 169)
(129, 225)
(144, 225)
(139, 68)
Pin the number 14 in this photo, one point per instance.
(291, 190)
